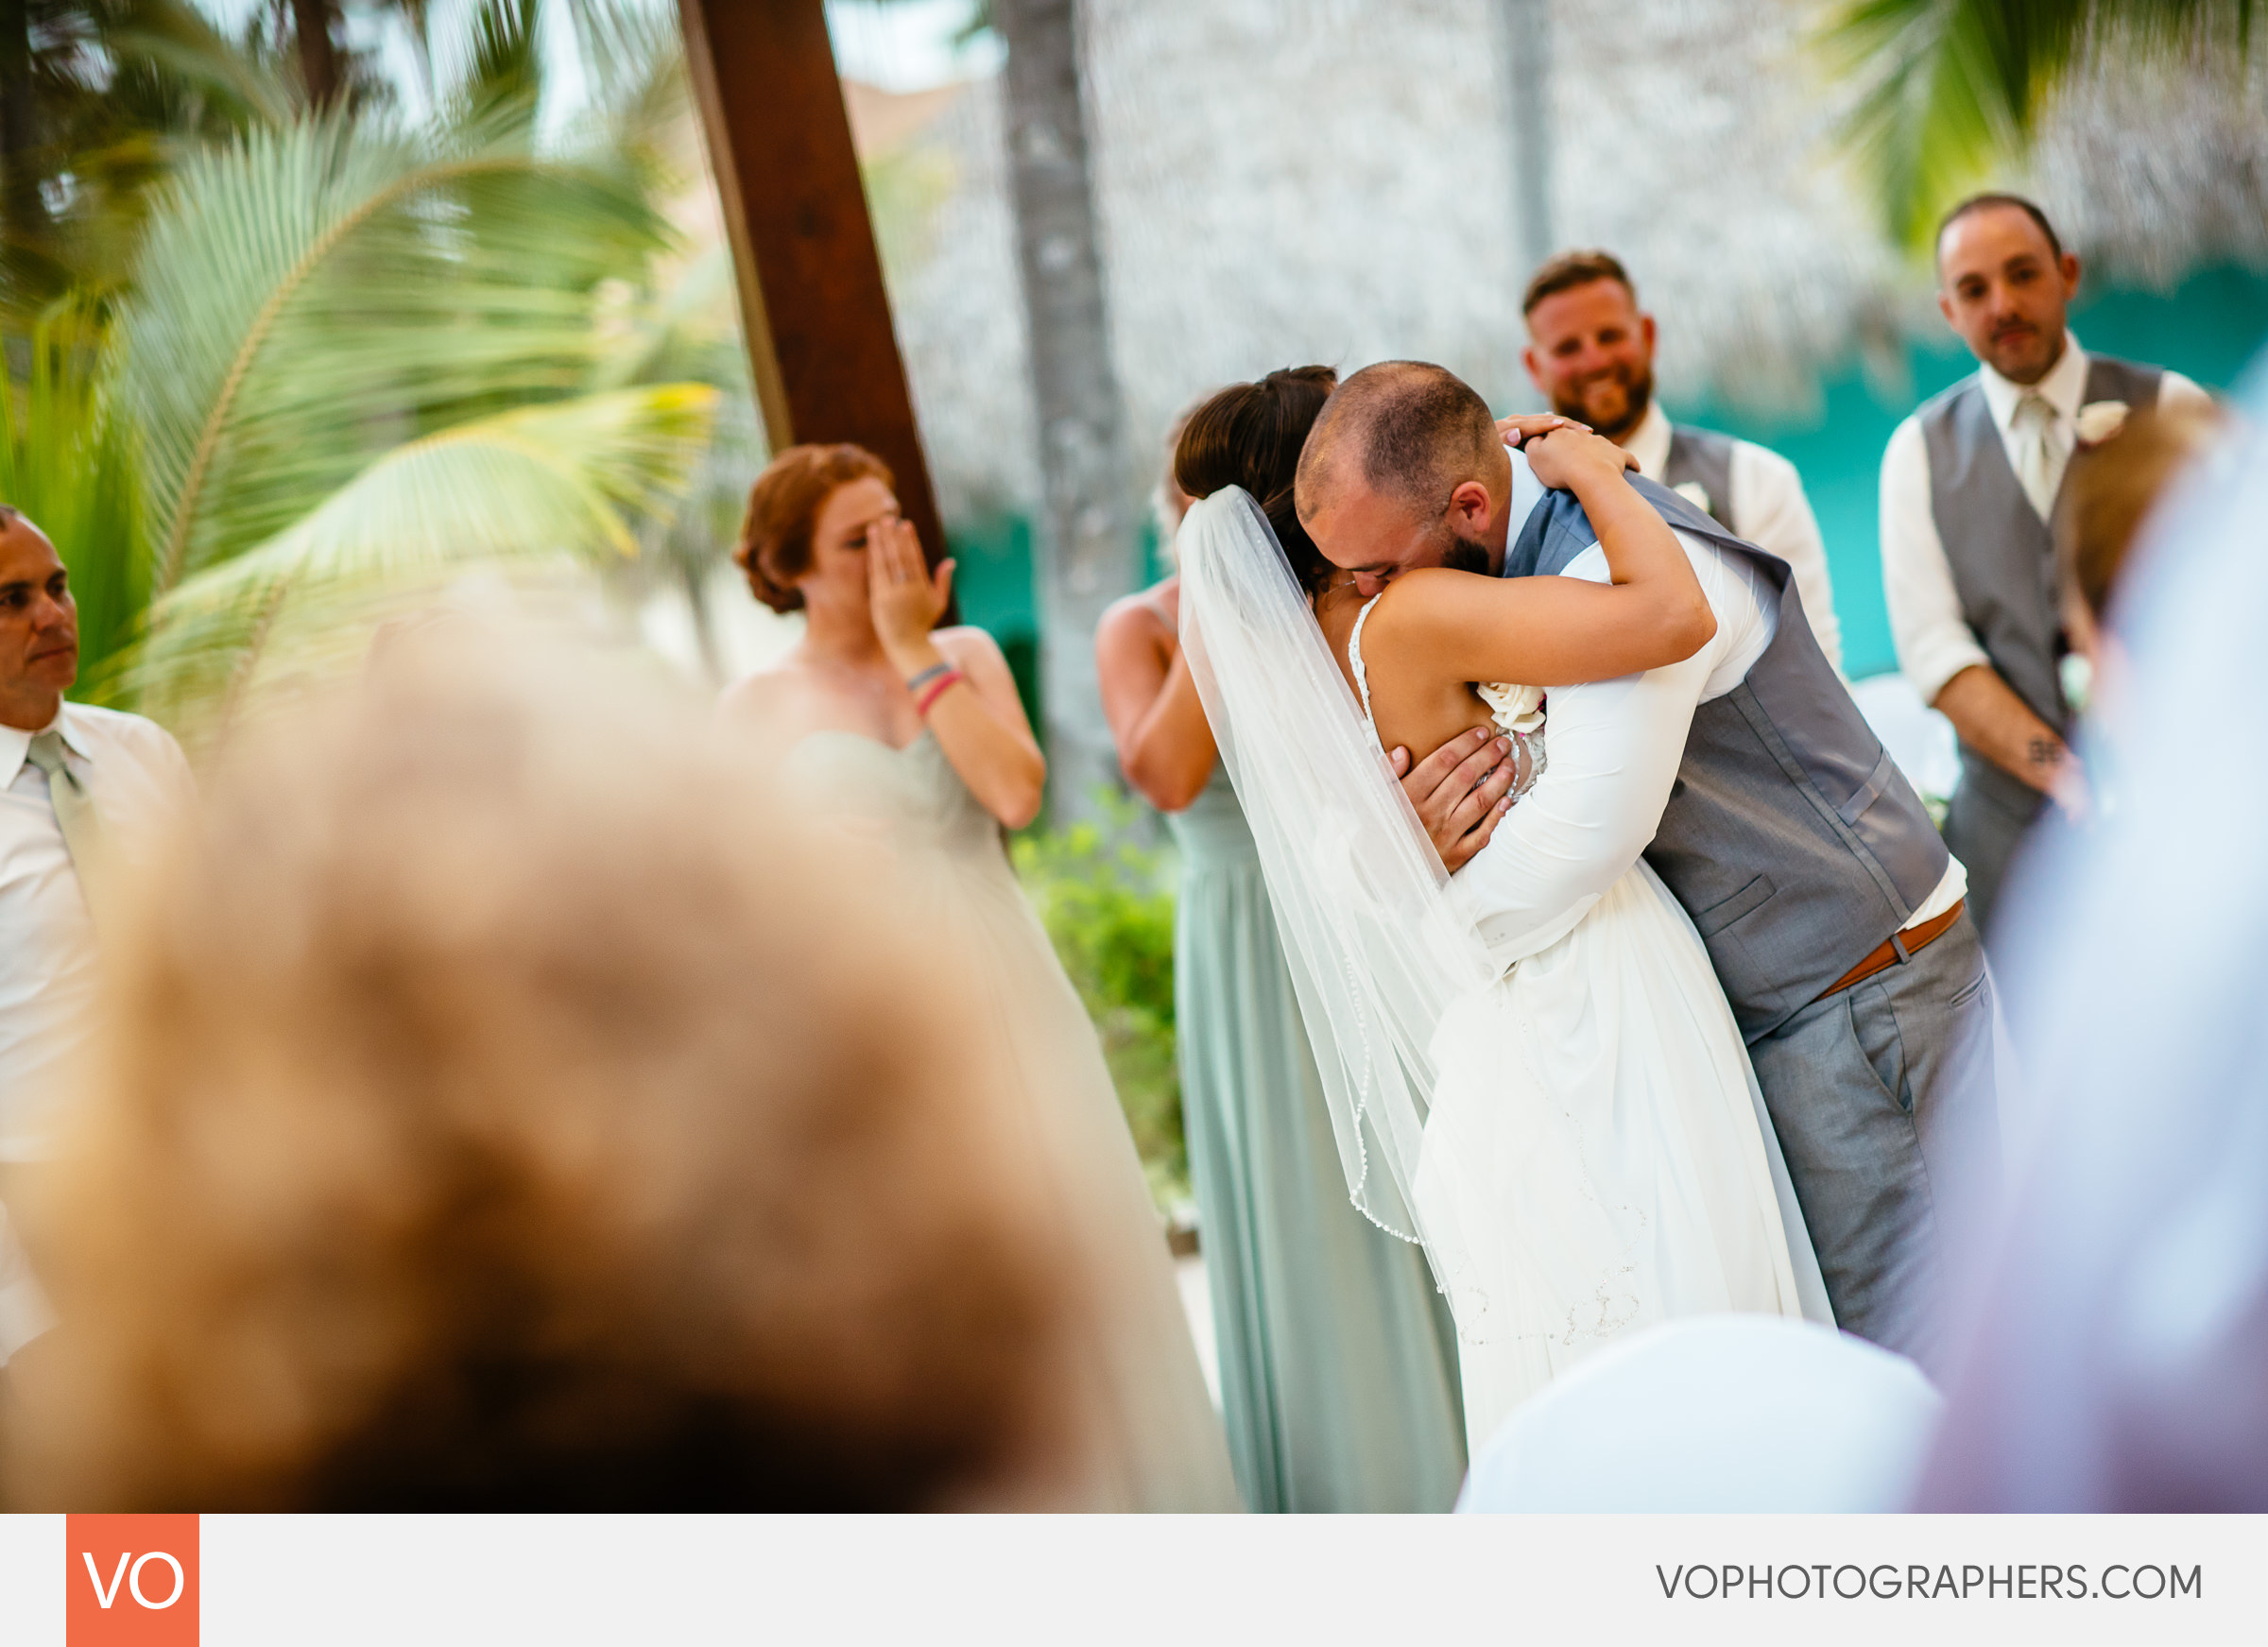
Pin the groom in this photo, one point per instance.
(1751, 784)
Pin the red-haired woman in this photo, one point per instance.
(915, 737)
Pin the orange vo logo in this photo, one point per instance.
(131, 1580)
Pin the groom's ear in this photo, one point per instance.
(1471, 508)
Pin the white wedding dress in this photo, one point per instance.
(1577, 1139)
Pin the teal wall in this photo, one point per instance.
(992, 580)
(2208, 327)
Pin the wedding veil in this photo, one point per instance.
(1379, 955)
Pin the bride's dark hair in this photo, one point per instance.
(1249, 435)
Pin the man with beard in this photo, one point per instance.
(1968, 484)
(1591, 351)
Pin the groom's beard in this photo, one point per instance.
(1467, 555)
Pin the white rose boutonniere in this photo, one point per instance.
(2098, 420)
(1694, 492)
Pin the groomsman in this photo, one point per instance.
(78, 786)
(1591, 351)
(1968, 484)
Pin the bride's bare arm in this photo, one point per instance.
(1557, 631)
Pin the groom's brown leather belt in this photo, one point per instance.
(1896, 948)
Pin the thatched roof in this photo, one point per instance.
(1283, 180)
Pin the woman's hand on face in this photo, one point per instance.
(906, 598)
(1568, 457)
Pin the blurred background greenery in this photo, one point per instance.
(1107, 899)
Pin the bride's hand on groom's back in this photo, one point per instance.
(1459, 792)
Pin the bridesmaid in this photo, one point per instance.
(910, 737)
(1338, 1358)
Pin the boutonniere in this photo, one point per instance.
(1694, 492)
(2098, 420)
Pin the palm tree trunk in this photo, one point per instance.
(1086, 542)
(316, 23)
(22, 206)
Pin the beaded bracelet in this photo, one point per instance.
(945, 683)
(918, 682)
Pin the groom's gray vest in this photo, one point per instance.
(1791, 836)
(2003, 554)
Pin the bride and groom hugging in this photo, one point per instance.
(1701, 1024)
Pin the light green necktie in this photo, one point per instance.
(74, 810)
(2038, 463)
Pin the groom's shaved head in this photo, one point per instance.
(1407, 430)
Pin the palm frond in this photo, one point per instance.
(568, 480)
(174, 37)
(1951, 91)
(66, 462)
(309, 296)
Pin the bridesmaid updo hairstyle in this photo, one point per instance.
(1249, 435)
(783, 510)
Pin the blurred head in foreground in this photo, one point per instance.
(509, 1107)
(2107, 496)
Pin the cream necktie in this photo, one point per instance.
(74, 811)
(2038, 463)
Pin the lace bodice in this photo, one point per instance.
(1518, 710)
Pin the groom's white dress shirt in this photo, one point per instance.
(1767, 509)
(1612, 751)
(139, 782)
(1933, 641)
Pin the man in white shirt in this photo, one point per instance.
(1968, 484)
(1748, 780)
(1591, 351)
(82, 790)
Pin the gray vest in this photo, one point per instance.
(1791, 836)
(1703, 458)
(2003, 554)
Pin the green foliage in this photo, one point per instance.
(344, 357)
(66, 460)
(1107, 903)
(1953, 89)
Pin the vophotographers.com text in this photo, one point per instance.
(1885, 1581)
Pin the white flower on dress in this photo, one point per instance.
(1694, 492)
(2098, 420)
(1515, 708)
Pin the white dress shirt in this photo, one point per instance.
(1935, 642)
(1613, 749)
(1767, 509)
(140, 783)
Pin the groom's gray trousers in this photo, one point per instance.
(1884, 1097)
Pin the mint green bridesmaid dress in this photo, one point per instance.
(1337, 1356)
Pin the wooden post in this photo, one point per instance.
(812, 302)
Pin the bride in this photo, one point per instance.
(1577, 1139)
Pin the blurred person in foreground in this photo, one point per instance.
(1590, 353)
(83, 794)
(1969, 488)
(911, 738)
(1338, 1358)
(480, 1129)
(2112, 486)
(2118, 1360)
